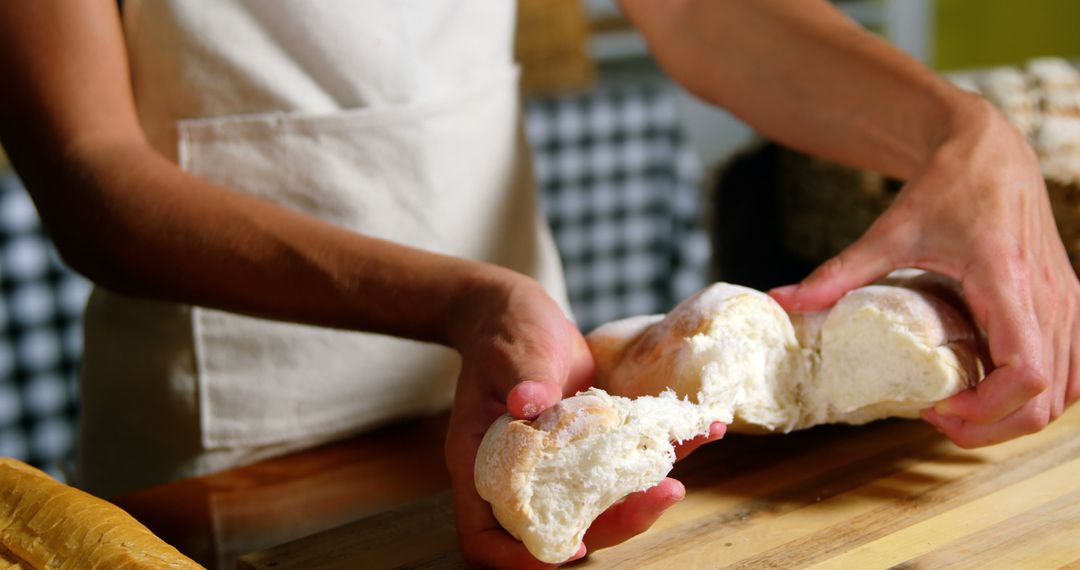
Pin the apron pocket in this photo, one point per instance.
(384, 172)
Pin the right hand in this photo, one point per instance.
(521, 355)
(977, 211)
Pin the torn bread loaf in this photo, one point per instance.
(46, 524)
(882, 351)
(549, 478)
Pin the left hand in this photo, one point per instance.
(977, 211)
(520, 355)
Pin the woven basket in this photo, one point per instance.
(1065, 200)
(825, 207)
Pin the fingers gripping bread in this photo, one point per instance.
(46, 524)
(735, 356)
(548, 479)
(882, 351)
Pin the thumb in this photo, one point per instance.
(527, 399)
(861, 263)
(539, 392)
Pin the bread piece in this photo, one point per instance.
(1008, 89)
(1002, 80)
(1052, 73)
(726, 347)
(887, 351)
(46, 524)
(548, 479)
(1061, 102)
(1058, 144)
(1058, 136)
(8, 561)
(882, 351)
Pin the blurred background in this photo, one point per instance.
(650, 193)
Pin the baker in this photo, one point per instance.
(305, 219)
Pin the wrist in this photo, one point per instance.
(954, 112)
(974, 125)
(482, 293)
(968, 116)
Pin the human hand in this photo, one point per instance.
(521, 355)
(977, 211)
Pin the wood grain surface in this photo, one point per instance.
(216, 518)
(889, 494)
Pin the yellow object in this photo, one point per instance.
(982, 33)
(46, 524)
(551, 45)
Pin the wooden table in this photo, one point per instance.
(216, 518)
(889, 494)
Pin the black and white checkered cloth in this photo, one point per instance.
(41, 306)
(622, 191)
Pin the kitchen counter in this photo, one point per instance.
(886, 494)
(216, 518)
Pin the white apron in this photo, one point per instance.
(398, 119)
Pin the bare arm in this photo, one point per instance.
(974, 207)
(133, 221)
(803, 74)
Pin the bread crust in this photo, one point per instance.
(46, 524)
(920, 313)
(650, 356)
(508, 453)
(548, 479)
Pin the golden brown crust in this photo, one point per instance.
(609, 343)
(574, 418)
(651, 361)
(548, 479)
(509, 451)
(46, 524)
(9, 561)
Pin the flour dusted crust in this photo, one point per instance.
(719, 346)
(45, 524)
(889, 351)
(883, 351)
(548, 479)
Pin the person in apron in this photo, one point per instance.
(307, 219)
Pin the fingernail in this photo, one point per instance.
(581, 551)
(678, 494)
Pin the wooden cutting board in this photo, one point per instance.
(889, 494)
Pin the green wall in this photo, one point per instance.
(980, 33)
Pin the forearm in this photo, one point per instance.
(134, 222)
(802, 74)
